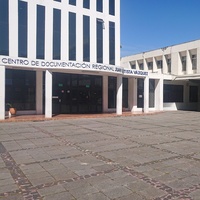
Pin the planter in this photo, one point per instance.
(13, 111)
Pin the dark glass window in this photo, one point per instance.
(159, 64)
(100, 24)
(140, 92)
(150, 65)
(20, 89)
(99, 5)
(86, 4)
(86, 38)
(4, 28)
(133, 64)
(56, 34)
(112, 7)
(72, 36)
(72, 2)
(193, 94)
(125, 93)
(112, 91)
(40, 32)
(194, 61)
(141, 66)
(58, 0)
(184, 63)
(168, 64)
(112, 43)
(22, 29)
(76, 93)
(173, 93)
(151, 93)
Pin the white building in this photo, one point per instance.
(179, 67)
(63, 56)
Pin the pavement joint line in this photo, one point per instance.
(20, 179)
(49, 160)
(41, 186)
(171, 194)
(138, 175)
(10, 193)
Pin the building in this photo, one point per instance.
(63, 56)
(179, 68)
(53, 54)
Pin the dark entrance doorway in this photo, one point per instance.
(74, 94)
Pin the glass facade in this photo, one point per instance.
(99, 5)
(40, 50)
(112, 91)
(72, 36)
(73, 93)
(4, 28)
(112, 43)
(173, 93)
(22, 29)
(112, 7)
(20, 89)
(125, 93)
(140, 93)
(100, 24)
(151, 93)
(86, 38)
(193, 95)
(56, 34)
(86, 4)
(72, 2)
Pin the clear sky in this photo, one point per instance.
(153, 24)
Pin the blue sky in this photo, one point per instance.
(153, 24)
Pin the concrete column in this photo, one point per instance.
(105, 93)
(48, 32)
(2, 92)
(135, 85)
(64, 32)
(119, 95)
(93, 51)
(189, 63)
(159, 94)
(48, 94)
(145, 65)
(175, 60)
(132, 94)
(39, 92)
(13, 26)
(146, 94)
(136, 65)
(32, 29)
(79, 29)
(155, 68)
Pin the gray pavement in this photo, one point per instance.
(119, 158)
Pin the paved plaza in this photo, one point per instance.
(112, 158)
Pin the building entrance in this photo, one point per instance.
(74, 94)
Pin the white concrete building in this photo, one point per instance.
(63, 56)
(179, 68)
